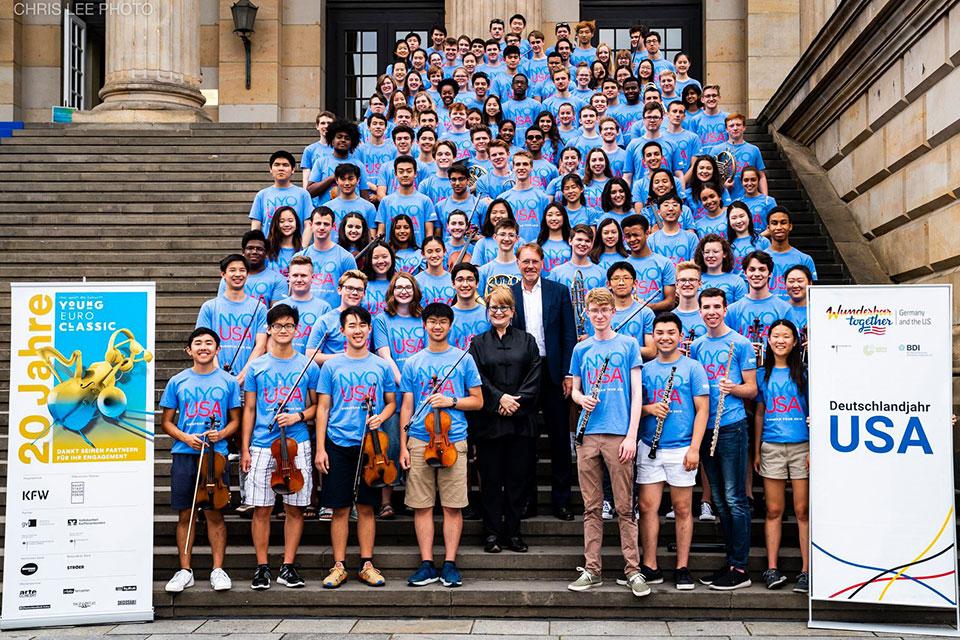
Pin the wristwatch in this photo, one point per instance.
(302, 417)
(454, 405)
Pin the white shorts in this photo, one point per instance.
(257, 491)
(666, 467)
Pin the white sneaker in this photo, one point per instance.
(220, 581)
(706, 513)
(609, 513)
(671, 515)
(181, 580)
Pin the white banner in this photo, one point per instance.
(883, 527)
(78, 544)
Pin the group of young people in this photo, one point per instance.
(492, 254)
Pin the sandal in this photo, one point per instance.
(386, 513)
(336, 577)
(371, 577)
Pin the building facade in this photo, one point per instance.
(169, 58)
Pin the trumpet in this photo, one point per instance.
(720, 400)
(667, 391)
(578, 296)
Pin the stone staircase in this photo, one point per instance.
(164, 204)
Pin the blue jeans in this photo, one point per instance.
(727, 472)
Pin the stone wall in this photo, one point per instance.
(876, 98)
(38, 70)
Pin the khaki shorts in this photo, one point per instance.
(784, 460)
(423, 481)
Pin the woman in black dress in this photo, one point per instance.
(504, 431)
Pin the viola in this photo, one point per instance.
(212, 491)
(439, 452)
(378, 470)
(286, 477)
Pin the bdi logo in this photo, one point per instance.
(127, 587)
(35, 495)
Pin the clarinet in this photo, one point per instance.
(716, 422)
(755, 334)
(665, 399)
(594, 393)
(578, 295)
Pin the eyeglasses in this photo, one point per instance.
(500, 309)
(437, 322)
(600, 311)
(403, 287)
(350, 289)
(283, 327)
(465, 281)
(688, 280)
(621, 279)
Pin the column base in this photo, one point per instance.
(141, 113)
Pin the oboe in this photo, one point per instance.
(578, 296)
(665, 399)
(716, 422)
(755, 334)
(594, 393)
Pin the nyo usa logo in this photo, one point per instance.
(872, 320)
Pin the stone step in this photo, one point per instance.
(487, 599)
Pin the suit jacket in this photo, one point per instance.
(559, 327)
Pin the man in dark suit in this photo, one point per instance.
(544, 310)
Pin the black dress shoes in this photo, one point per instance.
(517, 544)
(563, 513)
(530, 511)
(492, 545)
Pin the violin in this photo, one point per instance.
(439, 452)
(286, 477)
(212, 491)
(378, 470)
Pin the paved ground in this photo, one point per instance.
(438, 629)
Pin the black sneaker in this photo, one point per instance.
(708, 580)
(290, 577)
(773, 578)
(683, 579)
(261, 578)
(651, 576)
(732, 579)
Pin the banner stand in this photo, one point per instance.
(72, 621)
(882, 495)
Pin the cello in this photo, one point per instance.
(439, 452)
(378, 470)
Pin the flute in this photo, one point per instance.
(665, 399)
(716, 422)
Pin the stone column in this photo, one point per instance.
(473, 19)
(152, 64)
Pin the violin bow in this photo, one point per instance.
(283, 405)
(196, 487)
(229, 367)
(439, 385)
(367, 248)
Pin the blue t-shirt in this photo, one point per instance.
(402, 334)
(523, 113)
(689, 381)
(198, 397)
(677, 247)
(741, 314)
(555, 253)
(501, 273)
(417, 205)
(447, 206)
(785, 415)
(310, 311)
(409, 260)
(282, 262)
(311, 151)
(593, 275)
(692, 321)
(341, 207)
(375, 157)
(638, 327)
(272, 379)
(324, 167)
(461, 140)
(782, 261)
(267, 285)
(706, 225)
(328, 266)
(654, 272)
(626, 116)
(612, 415)
(579, 55)
(712, 354)
(593, 194)
(760, 206)
(536, 70)
(730, 283)
(712, 129)
(268, 200)
(436, 188)
(467, 324)
(325, 333)
(798, 316)
(528, 206)
(686, 145)
(375, 299)
(635, 165)
(618, 160)
(491, 185)
(237, 324)
(608, 258)
(484, 251)
(348, 382)
(542, 174)
(435, 288)
(416, 380)
(745, 244)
